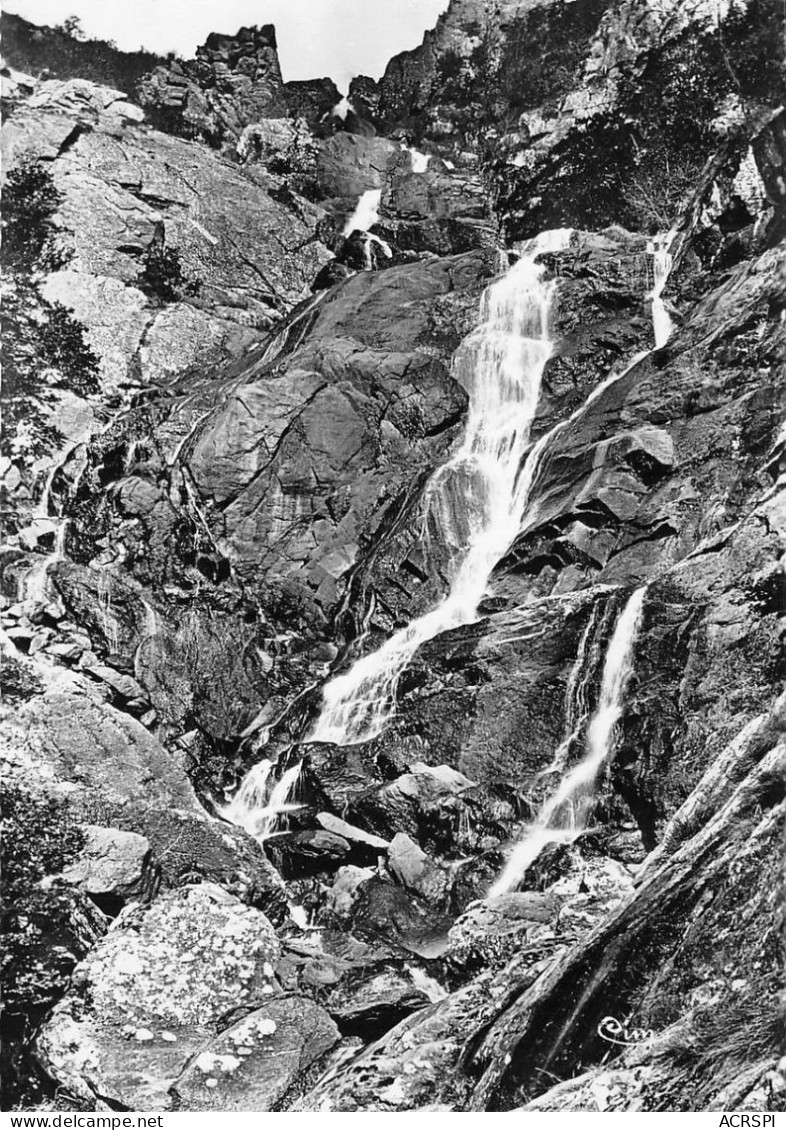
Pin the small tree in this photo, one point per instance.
(63, 346)
(30, 201)
(163, 277)
(44, 346)
(72, 25)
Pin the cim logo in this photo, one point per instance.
(616, 1032)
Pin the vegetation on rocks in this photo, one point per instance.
(163, 278)
(44, 346)
(43, 936)
(62, 51)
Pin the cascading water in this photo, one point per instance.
(259, 803)
(418, 162)
(106, 616)
(36, 583)
(579, 683)
(364, 217)
(564, 815)
(148, 645)
(500, 365)
(474, 500)
(662, 324)
(366, 212)
(342, 108)
(661, 327)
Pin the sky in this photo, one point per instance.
(337, 38)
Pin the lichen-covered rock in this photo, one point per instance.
(153, 994)
(254, 1064)
(124, 186)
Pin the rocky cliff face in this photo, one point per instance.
(282, 312)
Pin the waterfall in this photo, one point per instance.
(42, 508)
(418, 162)
(151, 621)
(381, 244)
(366, 212)
(252, 794)
(563, 817)
(256, 806)
(299, 915)
(148, 642)
(579, 683)
(661, 266)
(106, 616)
(364, 217)
(173, 458)
(342, 108)
(427, 985)
(474, 500)
(36, 583)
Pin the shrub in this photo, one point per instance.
(44, 345)
(163, 277)
(450, 65)
(30, 201)
(44, 348)
(18, 681)
(63, 346)
(71, 25)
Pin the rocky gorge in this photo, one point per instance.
(392, 574)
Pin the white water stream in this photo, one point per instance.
(342, 108)
(661, 267)
(364, 217)
(579, 683)
(564, 815)
(35, 586)
(366, 212)
(261, 801)
(418, 162)
(473, 500)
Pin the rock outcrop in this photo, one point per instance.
(232, 82)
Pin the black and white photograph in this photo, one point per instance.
(393, 560)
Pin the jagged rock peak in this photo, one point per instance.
(232, 81)
(248, 57)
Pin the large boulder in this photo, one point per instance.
(112, 863)
(113, 773)
(258, 1062)
(315, 453)
(153, 994)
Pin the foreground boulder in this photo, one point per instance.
(255, 1063)
(153, 993)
